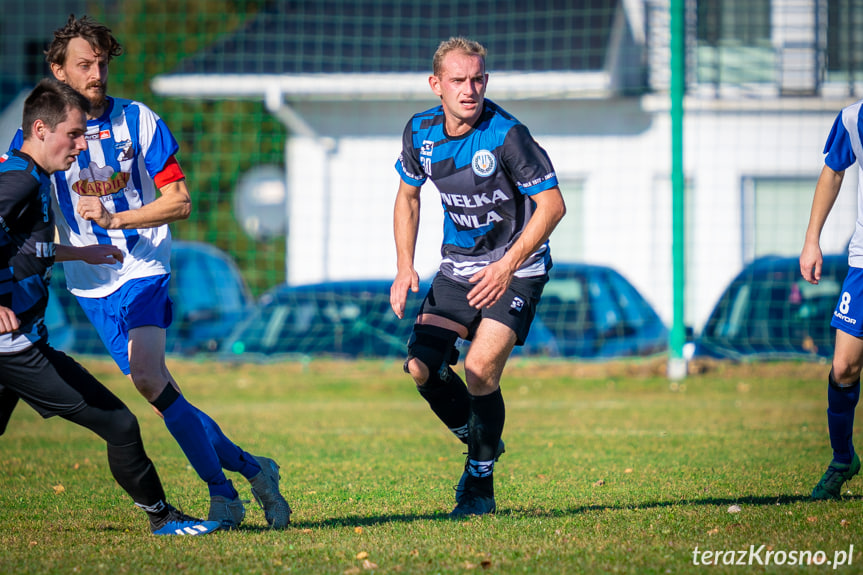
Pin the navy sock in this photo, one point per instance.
(487, 415)
(182, 421)
(231, 457)
(841, 402)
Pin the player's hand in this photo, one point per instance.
(8, 320)
(91, 208)
(405, 280)
(491, 283)
(97, 254)
(810, 263)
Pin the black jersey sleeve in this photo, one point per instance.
(526, 161)
(17, 190)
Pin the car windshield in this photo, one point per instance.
(351, 323)
(776, 309)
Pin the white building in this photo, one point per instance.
(765, 82)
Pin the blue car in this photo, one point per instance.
(770, 312)
(210, 298)
(592, 312)
(340, 319)
(587, 311)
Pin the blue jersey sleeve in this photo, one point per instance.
(408, 165)
(838, 149)
(17, 140)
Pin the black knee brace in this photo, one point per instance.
(432, 345)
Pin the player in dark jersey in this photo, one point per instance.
(501, 201)
(30, 369)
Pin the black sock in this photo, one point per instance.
(448, 398)
(488, 413)
(136, 474)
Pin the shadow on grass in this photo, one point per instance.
(356, 521)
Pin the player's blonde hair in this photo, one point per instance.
(456, 44)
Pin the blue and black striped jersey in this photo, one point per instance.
(485, 179)
(26, 247)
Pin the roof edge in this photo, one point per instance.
(376, 86)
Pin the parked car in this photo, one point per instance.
(210, 298)
(347, 319)
(770, 312)
(592, 312)
(586, 311)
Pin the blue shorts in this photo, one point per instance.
(848, 315)
(138, 303)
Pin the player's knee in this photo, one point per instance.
(846, 373)
(124, 428)
(477, 372)
(148, 383)
(430, 349)
(417, 370)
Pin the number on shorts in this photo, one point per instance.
(845, 303)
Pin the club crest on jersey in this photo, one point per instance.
(483, 163)
(125, 149)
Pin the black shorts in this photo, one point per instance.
(515, 309)
(52, 383)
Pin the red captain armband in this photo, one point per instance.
(172, 172)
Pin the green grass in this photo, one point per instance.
(608, 469)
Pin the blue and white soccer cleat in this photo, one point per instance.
(178, 523)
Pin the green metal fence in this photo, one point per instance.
(678, 195)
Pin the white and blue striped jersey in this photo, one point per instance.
(26, 247)
(485, 179)
(843, 149)
(127, 147)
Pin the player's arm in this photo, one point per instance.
(174, 203)
(493, 280)
(95, 254)
(406, 220)
(826, 192)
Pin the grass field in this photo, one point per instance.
(609, 468)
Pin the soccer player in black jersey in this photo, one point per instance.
(501, 201)
(30, 369)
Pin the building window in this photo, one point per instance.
(567, 241)
(734, 42)
(775, 215)
(844, 21)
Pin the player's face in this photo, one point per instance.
(65, 142)
(461, 87)
(86, 70)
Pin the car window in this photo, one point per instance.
(606, 313)
(632, 305)
(564, 304)
(773, 309)
(350, 321)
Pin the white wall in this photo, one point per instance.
(621, 149)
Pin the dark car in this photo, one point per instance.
(592, 312)
(347, 319)
(210, 298)
(770, 312)
(587, 311)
